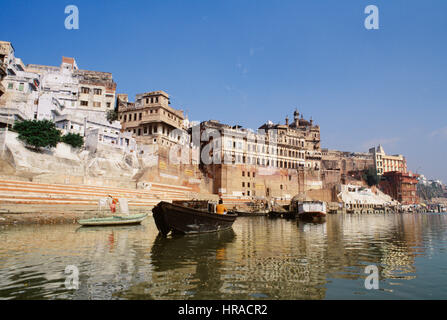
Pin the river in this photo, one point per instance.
(259, 258)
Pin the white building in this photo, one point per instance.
(22, 88)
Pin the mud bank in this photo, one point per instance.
(26, 214)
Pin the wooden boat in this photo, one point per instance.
(189, 217)
(312, 210)
(114, 220)
(289, 215)
(275, 214)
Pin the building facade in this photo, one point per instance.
(277, 161)
(388, 163)
(67, 89)
(21, 88)
(401, 186)
(152, 120)
(341, 167)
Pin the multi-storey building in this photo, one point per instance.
(96, 90)
(401, 186)
(341, 167)
(388, 163)
(279, 160)
(67, 89)
(152, 120)
(19, 100)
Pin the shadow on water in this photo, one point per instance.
(170, 253)
(85, 229)
(193, 260)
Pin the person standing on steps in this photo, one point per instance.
(113, 202)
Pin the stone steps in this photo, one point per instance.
(30, 193)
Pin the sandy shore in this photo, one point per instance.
(41, 214)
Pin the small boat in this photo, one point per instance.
(313, 210)
(189, 217)
(114, 220)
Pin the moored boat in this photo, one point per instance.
(312, 210)
(113, 220)
(189, 217)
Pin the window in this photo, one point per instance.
(243, 173)
(108, 105)
(243, 184)
(97, 92)
(85, 90)
(140, 115)
(125, 118)
(97, 104)
(84, 103)
(21, 86)
(10, 85)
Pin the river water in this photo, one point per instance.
(259, 258)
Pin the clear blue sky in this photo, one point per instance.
(247, 62)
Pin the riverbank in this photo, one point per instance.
(13, 214)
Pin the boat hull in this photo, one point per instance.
(315, 215)
(179, 219)
(114, 220)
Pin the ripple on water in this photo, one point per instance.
(258, 259)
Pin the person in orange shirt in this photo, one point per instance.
(113, 203)
(220, 208)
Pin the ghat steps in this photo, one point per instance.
(29, 193)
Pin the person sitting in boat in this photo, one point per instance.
(220, 208)
(113, 202)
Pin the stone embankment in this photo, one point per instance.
(23, 202)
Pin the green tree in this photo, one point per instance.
(371, 177)
(112, 115)
(38, 133)
(73, 139)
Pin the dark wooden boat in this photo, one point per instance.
(189, 217)
(289, 215)
(275, 214)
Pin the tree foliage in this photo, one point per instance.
(73, 139)
(371, 177)
(112, 115)
(38, 133)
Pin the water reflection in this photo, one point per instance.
(260, 258)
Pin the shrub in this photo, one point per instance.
(73, 139)
(38, 133)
